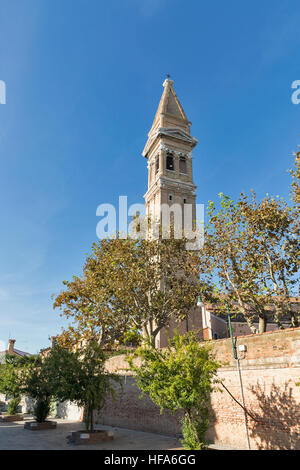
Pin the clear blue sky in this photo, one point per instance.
(84, 79)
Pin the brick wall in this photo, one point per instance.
(270, 367)
(242, 329)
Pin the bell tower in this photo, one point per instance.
(170, 176)
(169, 154)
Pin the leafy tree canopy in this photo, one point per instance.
(251, 258)
(130, 285)
(179, 378)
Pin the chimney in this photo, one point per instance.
(53, 341)
(11, 345)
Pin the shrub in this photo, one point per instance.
(13, 406)
(41, 409)
(180, 378)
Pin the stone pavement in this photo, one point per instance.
(13, 436)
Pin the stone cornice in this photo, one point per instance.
(173, 132)
(172, 184)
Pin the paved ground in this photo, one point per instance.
(13, 436)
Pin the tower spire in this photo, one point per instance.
(169, 154)
(169, 115)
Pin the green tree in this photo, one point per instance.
(179, 378)
(130, 285)
(9, 385)
(11, 380)
(294, 249)
(270, 223)
(80, 376)
(37, 384)
(86, 304)
(249, 258)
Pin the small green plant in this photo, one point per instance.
(41, 409)
(13, 406)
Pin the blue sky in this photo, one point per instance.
(83, 83)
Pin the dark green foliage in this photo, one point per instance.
(11, 380)
(13, 406)
(67, 375)
(194, 429)
(41, 409)
(179, 378)
(38, 385)
(81, 378)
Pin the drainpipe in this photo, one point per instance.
(239, 374)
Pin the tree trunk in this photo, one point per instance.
(262, 324)
(189, 415)
(92, 418)
(277, 319)
(251, 326)
(294, 320)
(86, 418)
(89, 417)
(154, 334)
(146, 334)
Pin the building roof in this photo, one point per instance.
(21, 353)
(239, 317)
(16, 352)
(170, 119)
(169, 103)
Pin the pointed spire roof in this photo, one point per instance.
(170, 105)
(170, 119)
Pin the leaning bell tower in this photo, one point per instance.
(169, 154)
(170, 174)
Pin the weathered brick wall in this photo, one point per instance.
(270, 368)
(271, 395)
(242, 329)
(128, 410)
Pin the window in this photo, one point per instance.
(182, 165)
(184, 200)
(170, 197)
(170, 162)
